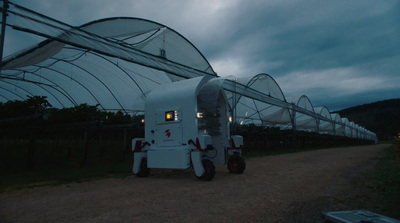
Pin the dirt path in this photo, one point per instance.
(285, 188)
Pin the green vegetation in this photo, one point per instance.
(381, 117)
(44, 145)
(38, 110)
(56, 162)
(383, 185)
(269, 140)
(39, 143)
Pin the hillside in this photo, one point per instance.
(382, 117)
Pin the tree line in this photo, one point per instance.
(37, 107)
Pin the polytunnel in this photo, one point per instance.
(115, 62)
(304, 121)
(355, 130)
(325, 126)
(250, 111)
(359, 131)
(99, 74)
(362, 133)
(347, 127)
(339, 126)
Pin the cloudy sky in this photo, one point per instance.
(338, 53)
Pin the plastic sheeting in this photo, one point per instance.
(69, 75)
(325, 126)
(304, 121)
(251, 111)
(115, 62)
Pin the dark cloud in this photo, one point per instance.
(316, 42)
(360, 36)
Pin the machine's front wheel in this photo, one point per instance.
(236, 164)
(144, 170)
(209, 170)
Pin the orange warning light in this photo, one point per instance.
(169, 116)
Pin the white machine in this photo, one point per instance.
(187, 126)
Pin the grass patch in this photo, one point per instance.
(384, 142)
(378, 189)
(272, 152)
(385, 181)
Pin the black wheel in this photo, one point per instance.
(209, 170)
(236, 164)
(144, 171)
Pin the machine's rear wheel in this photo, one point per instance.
(144, 170)
(209, 170)
(236, 164)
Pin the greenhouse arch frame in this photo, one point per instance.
(116, 62)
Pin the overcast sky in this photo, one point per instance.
(339, 53)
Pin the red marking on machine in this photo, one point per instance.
(168, 133)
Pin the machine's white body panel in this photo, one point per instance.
(197, 164)
(137, 161)
(177, 96)
(186, 122)
(237, 141)
(204, 141)
(168, 135)
(170, 159)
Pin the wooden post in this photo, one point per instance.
(125, 145)
(31, 153)
(85, 155)
(396, 148)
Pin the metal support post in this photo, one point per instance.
(3, 30)
(294, 128)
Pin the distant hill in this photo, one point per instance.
(382, 117)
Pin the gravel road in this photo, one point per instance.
(294, 187)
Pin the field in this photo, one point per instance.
(296, 187)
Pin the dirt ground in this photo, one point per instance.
(296, 187)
